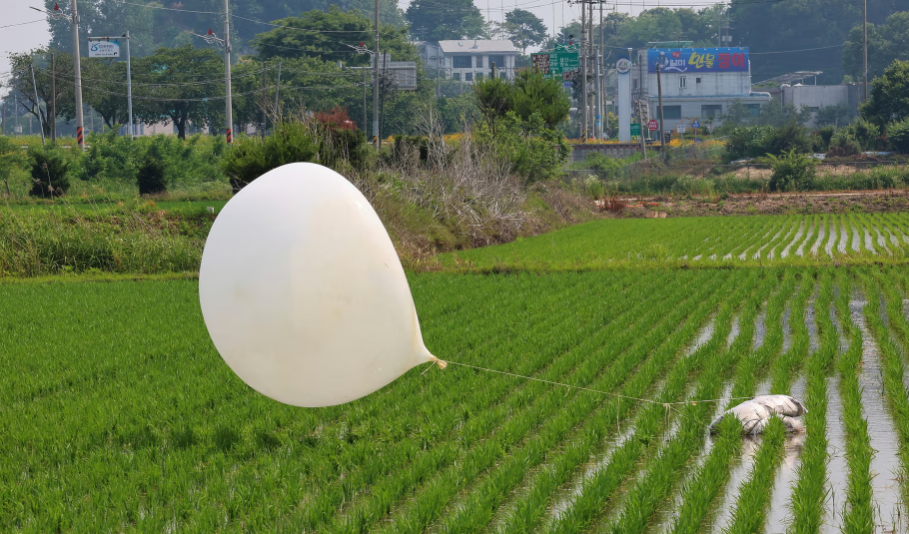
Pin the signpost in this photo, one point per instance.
(635, 128)
(653, 125)
(97, 48)
(110, 47)
(556, 64)
(694, 126)
(680, 128)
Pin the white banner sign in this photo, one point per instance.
(680, 128)
(104, 49)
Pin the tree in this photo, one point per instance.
(889, 96)
(104, 88)
(154, 28)
(523, 28)
(887, 42)
(534, 93)
(183, 84)
(21, 82)
(343, 30)
(531, 94)
(453, 19)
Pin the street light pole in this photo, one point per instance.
(228, 101)
(80, 120)
(129, 87)
(375, 84)
(865, 50)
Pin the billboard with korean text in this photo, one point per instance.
(698, 59)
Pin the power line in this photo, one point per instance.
(215, 98)
(23, 23)
(802, 50)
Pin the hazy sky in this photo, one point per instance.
(554, 13)
(19, 38)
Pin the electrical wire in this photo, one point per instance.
(216, 98)
(23, 23)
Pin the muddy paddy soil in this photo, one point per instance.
(757, 204)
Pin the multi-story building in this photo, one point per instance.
(697, 83)
(468, 60)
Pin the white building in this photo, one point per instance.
(815, 97)
(697, 84)
(468, 60)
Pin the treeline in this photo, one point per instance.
(185, 85)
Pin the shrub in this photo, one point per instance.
(252, 157)
(863, 132)
(792, 171)
(898, 133)
(605, 166)
(823, 138)
(49, 172)
(786, 138)
(747, 142)
(594, 187)
(150, 177)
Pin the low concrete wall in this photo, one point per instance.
(623, 150)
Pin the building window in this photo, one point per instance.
(461, 62)
(503, 75)
(635, 85)
(672, 112)
(711, 111)
(479, 76)
(468, 76)
(479, 64)
(499, 61)
(697, 80)
(457, 76)
(683, 82)
(754, 109)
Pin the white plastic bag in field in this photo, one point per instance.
(754, 414)
(303, 293)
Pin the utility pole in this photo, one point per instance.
(129, 87)
(77, 66)
(264, 99)
(365, 128)
(37, 105)
(662, 124)
(278, 90)
(583, 51)
(53, 112)
(601, 101)
(375, 84)
(641, 122)
(228, 100)
(865, 50)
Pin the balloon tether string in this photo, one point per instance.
(442, 364)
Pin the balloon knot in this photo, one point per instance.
(441, 363)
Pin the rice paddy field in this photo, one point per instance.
(810, 240)
(117, 414)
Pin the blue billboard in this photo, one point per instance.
(698, 59)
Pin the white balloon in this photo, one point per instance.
(302, 291)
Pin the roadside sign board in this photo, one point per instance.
(104, 49)
(635, 128)
(695, 124)
(564, 58)
(653, 125)
(680, 128)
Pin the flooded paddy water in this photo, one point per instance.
(890, 512)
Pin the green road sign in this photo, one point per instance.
(635, 128)
(556, 63)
